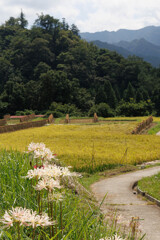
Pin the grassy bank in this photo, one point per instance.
(77, 217)
(154, 129)
(81, 219)
(151, 185)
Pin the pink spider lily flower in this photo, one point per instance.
(25, 217)
(35, 146)
(39, 150)
(47, 183)
(115, 237)
(36, 220)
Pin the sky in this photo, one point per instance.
(88, 15)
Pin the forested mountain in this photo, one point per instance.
(121, 50)
(144, 43)
(49, 67)
(141, 48)
(150, 34)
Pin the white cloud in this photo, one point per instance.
(116, 14)
(88, 15)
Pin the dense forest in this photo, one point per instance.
(49, 68)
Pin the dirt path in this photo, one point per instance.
(120, 197)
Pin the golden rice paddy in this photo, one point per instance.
(89, 146)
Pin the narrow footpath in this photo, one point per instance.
(121, 198)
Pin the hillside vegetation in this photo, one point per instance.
(139, 47)
(49, 67)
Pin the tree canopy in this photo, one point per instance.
(51, 63)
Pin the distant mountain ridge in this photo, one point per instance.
(141, 48)
(144, 42)
(151, 34)
(121, 50)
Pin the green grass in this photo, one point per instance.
(151, 185)
(154, 129)
(14, 188)
(37, 119)
(88, 179)
(57, 120)
(13, 121)
(17, 121)
(81, 219)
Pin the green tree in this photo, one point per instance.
(102, 110)
(129, 93)
(32, 95)
(41, 52)
(111, 97)
(130, 109)
(55, 87)
(39, 69)
(117, 93)
(65, 25)
(139, 96)
(49, 62)
(3, 108)
(101, 95)
(22, 21)
(156, 100)
(14, 94)
(47, 22)
(145, 94)
(12, 22)
(75, 29)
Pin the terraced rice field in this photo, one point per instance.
(90, 147)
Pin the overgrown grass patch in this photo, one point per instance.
(37, 119)
(81, 219)
(13, 121)
(154, 129)
(151, 185)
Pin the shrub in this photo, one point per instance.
(25, 112)
(92, 111)
(3, 108)
(129, 109)
(102, 110)
(60, 110)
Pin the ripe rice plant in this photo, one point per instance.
(112, 141)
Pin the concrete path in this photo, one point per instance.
(120, 197)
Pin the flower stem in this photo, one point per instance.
(61, 217)
(52, 218)
(50, 229)
(41, 202)
(18, 230)
(55, 212)
(33, 236)
(36, 162)
(39, 207)
(48, 203)
(31, 187)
